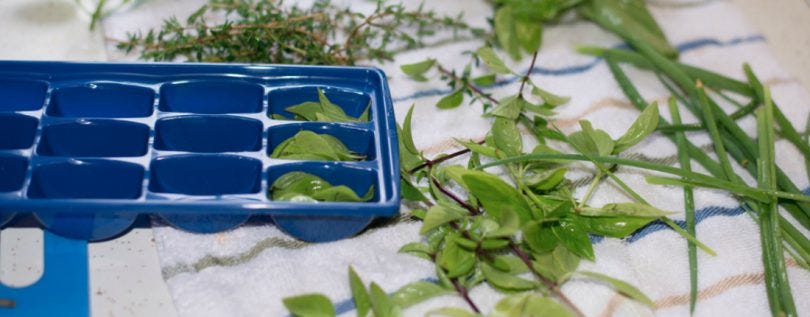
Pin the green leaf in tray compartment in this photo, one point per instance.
(308, 145)
(324, 110)
(305, 187)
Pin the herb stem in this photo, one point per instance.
(528, 72)
(591, 189)
(465, 294)
(473, 211)
(472, 87)
(430, 163)
(551, 285)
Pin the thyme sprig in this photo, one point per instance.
(271, 32)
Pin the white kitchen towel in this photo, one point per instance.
(247, 271)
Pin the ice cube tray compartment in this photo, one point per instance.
(208, 134)
(22, 95)
(94, 138)
(353, 102)
(89, 147)
(356, 138)
(17, 131)
(102, 100)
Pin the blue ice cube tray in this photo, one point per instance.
(88, 147)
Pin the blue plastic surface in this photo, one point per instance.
(87, 147)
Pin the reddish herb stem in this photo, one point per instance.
(528, 72)
(473, 211)
(431, 163)
(551, 285)
(472, 87)
(464, 292)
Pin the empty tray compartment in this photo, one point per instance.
(94, 138)
(358, 140)
(212, 97)
(12, 172)
(90, 178)
(102, 100)
(17, 131)
(205, 174)
(22, 95)
(208, 134)
(358, 178)
(351, 101)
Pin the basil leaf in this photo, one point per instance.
(513, 264)
(546, 179)
(359, 293)
(455, 259)
(450, 312)
(550, 98)
(590, 141)
(508, 224)
(480, 149)
(416, 292)
(625, 209)
(571, 235)
(529, 305)
(616, 227)
(452, 100)
(324, 110)
(496, 195)
(492, 60)
(305, 187)
(485, 80)
(406, 135)
(309, 305)
(622, 287)
(438, 215)
(557, 264)
(417, 70)
(507, 136)
(506, 281)
(308, 145)
(508, 108)
(645, 124)
(381, 304)
(504, 24)
(305, 111)
(529, 34)
(539, 236)
(418, 250)
(410, 191)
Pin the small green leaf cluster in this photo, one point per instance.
(308, 145)
(267, 31)
(323, 110)
(305, 187)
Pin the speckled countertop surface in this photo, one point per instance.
(125, 278)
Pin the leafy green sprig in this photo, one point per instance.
(270, 32)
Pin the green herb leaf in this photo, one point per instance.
(381, 304)
(308, 145)
(417, 70)
(455, 259)
(550, 98)
(507, 136)
(310, 305)
(571, 235)
(590, 141)
(644, 125)
(416, 292)
(359, 293)
(323, 110)
(305, 187)
(492, 60)
(556, 265)
(410, 191)
(529, 34)
(616, 227)
(480, 149)
(450, 312)
(438, 215)
(417, 249)
(485, 80)
(539, 236)
(622, 287)
(508, 108)
(529, 305)
(506, 281)
(504, 24)
(452, 100)
(625, 209)
(546, 179)
(496, 195)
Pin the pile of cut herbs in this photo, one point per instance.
(507, 217)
